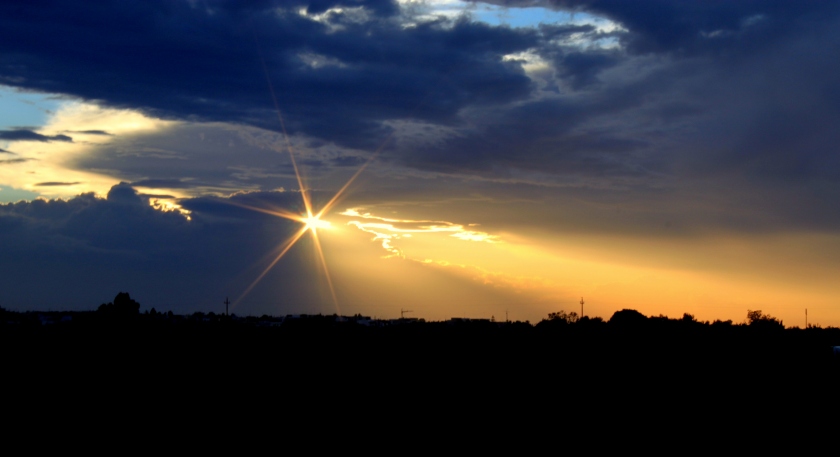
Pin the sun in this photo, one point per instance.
(311, 223)
(315, 222)
(311, 220)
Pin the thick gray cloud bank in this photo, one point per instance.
(73, 254)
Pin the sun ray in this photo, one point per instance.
(311, 221)
(326, 270)
(315, 222)
(335, 199)
(288, 245)
(289, 148)
(273, 212)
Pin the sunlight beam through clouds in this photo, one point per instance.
(284, 248)
(311, 222)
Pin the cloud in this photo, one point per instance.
(29, 135)
(429, 71)
(91, 132)
(709, 103)
(348, 161)
(655, 26)
(87, 247)
(55, 183)
(389, 231)
(12, 161)
(162, 183)
(582, 68)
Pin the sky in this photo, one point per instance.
(433, 159)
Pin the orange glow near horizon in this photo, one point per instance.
(532, 273)
(447, 269)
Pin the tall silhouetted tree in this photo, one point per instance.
(757, 319)
(628, 317)
(122, 306)
(568, 318)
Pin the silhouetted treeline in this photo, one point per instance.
(626, 336)
(602, 373)
(630, 355)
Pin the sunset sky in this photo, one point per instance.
(472, 158)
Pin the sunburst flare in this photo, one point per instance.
(311, 220)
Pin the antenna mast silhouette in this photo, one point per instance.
(806, 317)
(581, 307)
(227, 302)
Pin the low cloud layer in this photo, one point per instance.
(75, 251)
(29, 135)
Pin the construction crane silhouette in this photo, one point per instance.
(403, 311)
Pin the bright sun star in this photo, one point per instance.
(315, 222)
(311, 222)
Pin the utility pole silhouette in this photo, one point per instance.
(227, 302)
(581, 307)
(806, 317)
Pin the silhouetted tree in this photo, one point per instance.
(122, 306)
(757, 319)
(629, 317)
(561, 315)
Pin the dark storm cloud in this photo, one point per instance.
(235, 206)
(29, 135)
(725, 105)
(88, 247)
(544, 135)
(204, 61)
(768, 85)
(582, 68)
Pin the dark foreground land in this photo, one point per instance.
(319, 366)
(561, 349)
